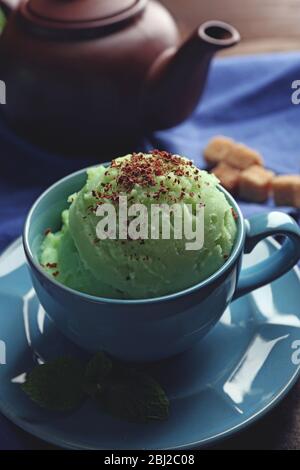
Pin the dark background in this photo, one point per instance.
(266, 25)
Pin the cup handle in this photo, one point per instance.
(258, 228)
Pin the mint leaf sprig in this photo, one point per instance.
(56, 385)
(120, 390)
(96, 373)
(125, 392)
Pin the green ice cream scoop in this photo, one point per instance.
(140, 267)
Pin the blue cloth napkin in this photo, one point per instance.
(247, 98)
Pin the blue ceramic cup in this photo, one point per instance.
(156, 328)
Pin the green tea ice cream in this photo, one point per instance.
(140, 268)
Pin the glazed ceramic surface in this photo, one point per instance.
(97, 76)
(243, 367)
(158, 328)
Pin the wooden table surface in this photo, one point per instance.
(265, 25)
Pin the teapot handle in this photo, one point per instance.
(8, 6)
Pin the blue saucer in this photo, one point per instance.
(235, 375)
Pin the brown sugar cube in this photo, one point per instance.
(255, 184)
(242, 157)
(217, 149)
(228, 176)
(286, 190)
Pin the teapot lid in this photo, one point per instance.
(74, 14)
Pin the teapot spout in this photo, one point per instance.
(176, 81)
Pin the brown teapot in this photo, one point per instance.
(89, 75)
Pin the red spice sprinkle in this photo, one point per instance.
(226, 257)
(143, 170)
(51, 265)
(235, 216)
(55, 274)
(47, 231)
